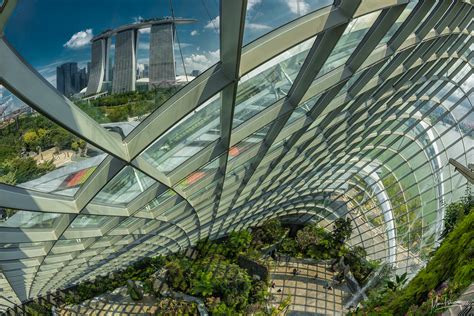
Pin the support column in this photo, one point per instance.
(125, 61)
(162, 60)
(98, 65)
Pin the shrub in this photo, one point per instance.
(178, 273)
(238, 242)
(290, 247)
(270, 232)
(455, 212)
(451, 262)
(202, 284)
(342, 231)
(258, 292)
(133, 290)
(315, 242)
(37, 309)
(221, 309)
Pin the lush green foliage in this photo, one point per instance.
(236, 243)
(405, 211)
(31, 133)
(169, 306)
(452, 262)
(120, 107)
(455, 212)
(214, 276)
(211, 278)
(134, 292)
(18, 170)
(313, 241)
(360, 267)
(269, 233)
(139, 271)
(341, 232)
(37, 309)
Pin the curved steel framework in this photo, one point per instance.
(351, 110)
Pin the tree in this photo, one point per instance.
(202, 284)
(24, 169)
(238, 242)
(310, 235)
(31, 139)
(455, 212)
(342, 231)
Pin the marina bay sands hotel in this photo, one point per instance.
(161, 58)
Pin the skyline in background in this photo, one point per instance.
(50, 34)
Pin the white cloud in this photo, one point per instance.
(80, 39)
(297, 6)
(143, 45)
(194, 33)
(213, 24)
(201, 61)
(257, 26)
(137, 19)
(252, 3)
(145, 30)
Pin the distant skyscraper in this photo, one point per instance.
(125, 61)
(70, 79)
(119, 68)
(88, 70)
(145, 71)
(162, 59)
(142, 71)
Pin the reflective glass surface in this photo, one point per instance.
(125, 154)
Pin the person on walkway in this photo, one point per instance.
(330, 286)
(273, 284)
(327, 286)
(295, 272)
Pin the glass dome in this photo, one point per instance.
(250, 110)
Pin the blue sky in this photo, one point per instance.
(48, 33)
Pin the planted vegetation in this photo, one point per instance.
(312, 241)
(121, 107)
(214, 276)
(28, 135)
(215, 273)
(31, 134)
(449, 271)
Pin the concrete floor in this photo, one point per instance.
(308, 293)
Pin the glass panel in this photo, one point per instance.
(27, 219)
(248, 143)
(186, 138)
(398, 23)
(89, 221)
(269, 82)
(117, 69)
(302, 109)
(124, 187)
(197, 176)
(154, 205)
(37, 154)
(352, 36)
(265, 16)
